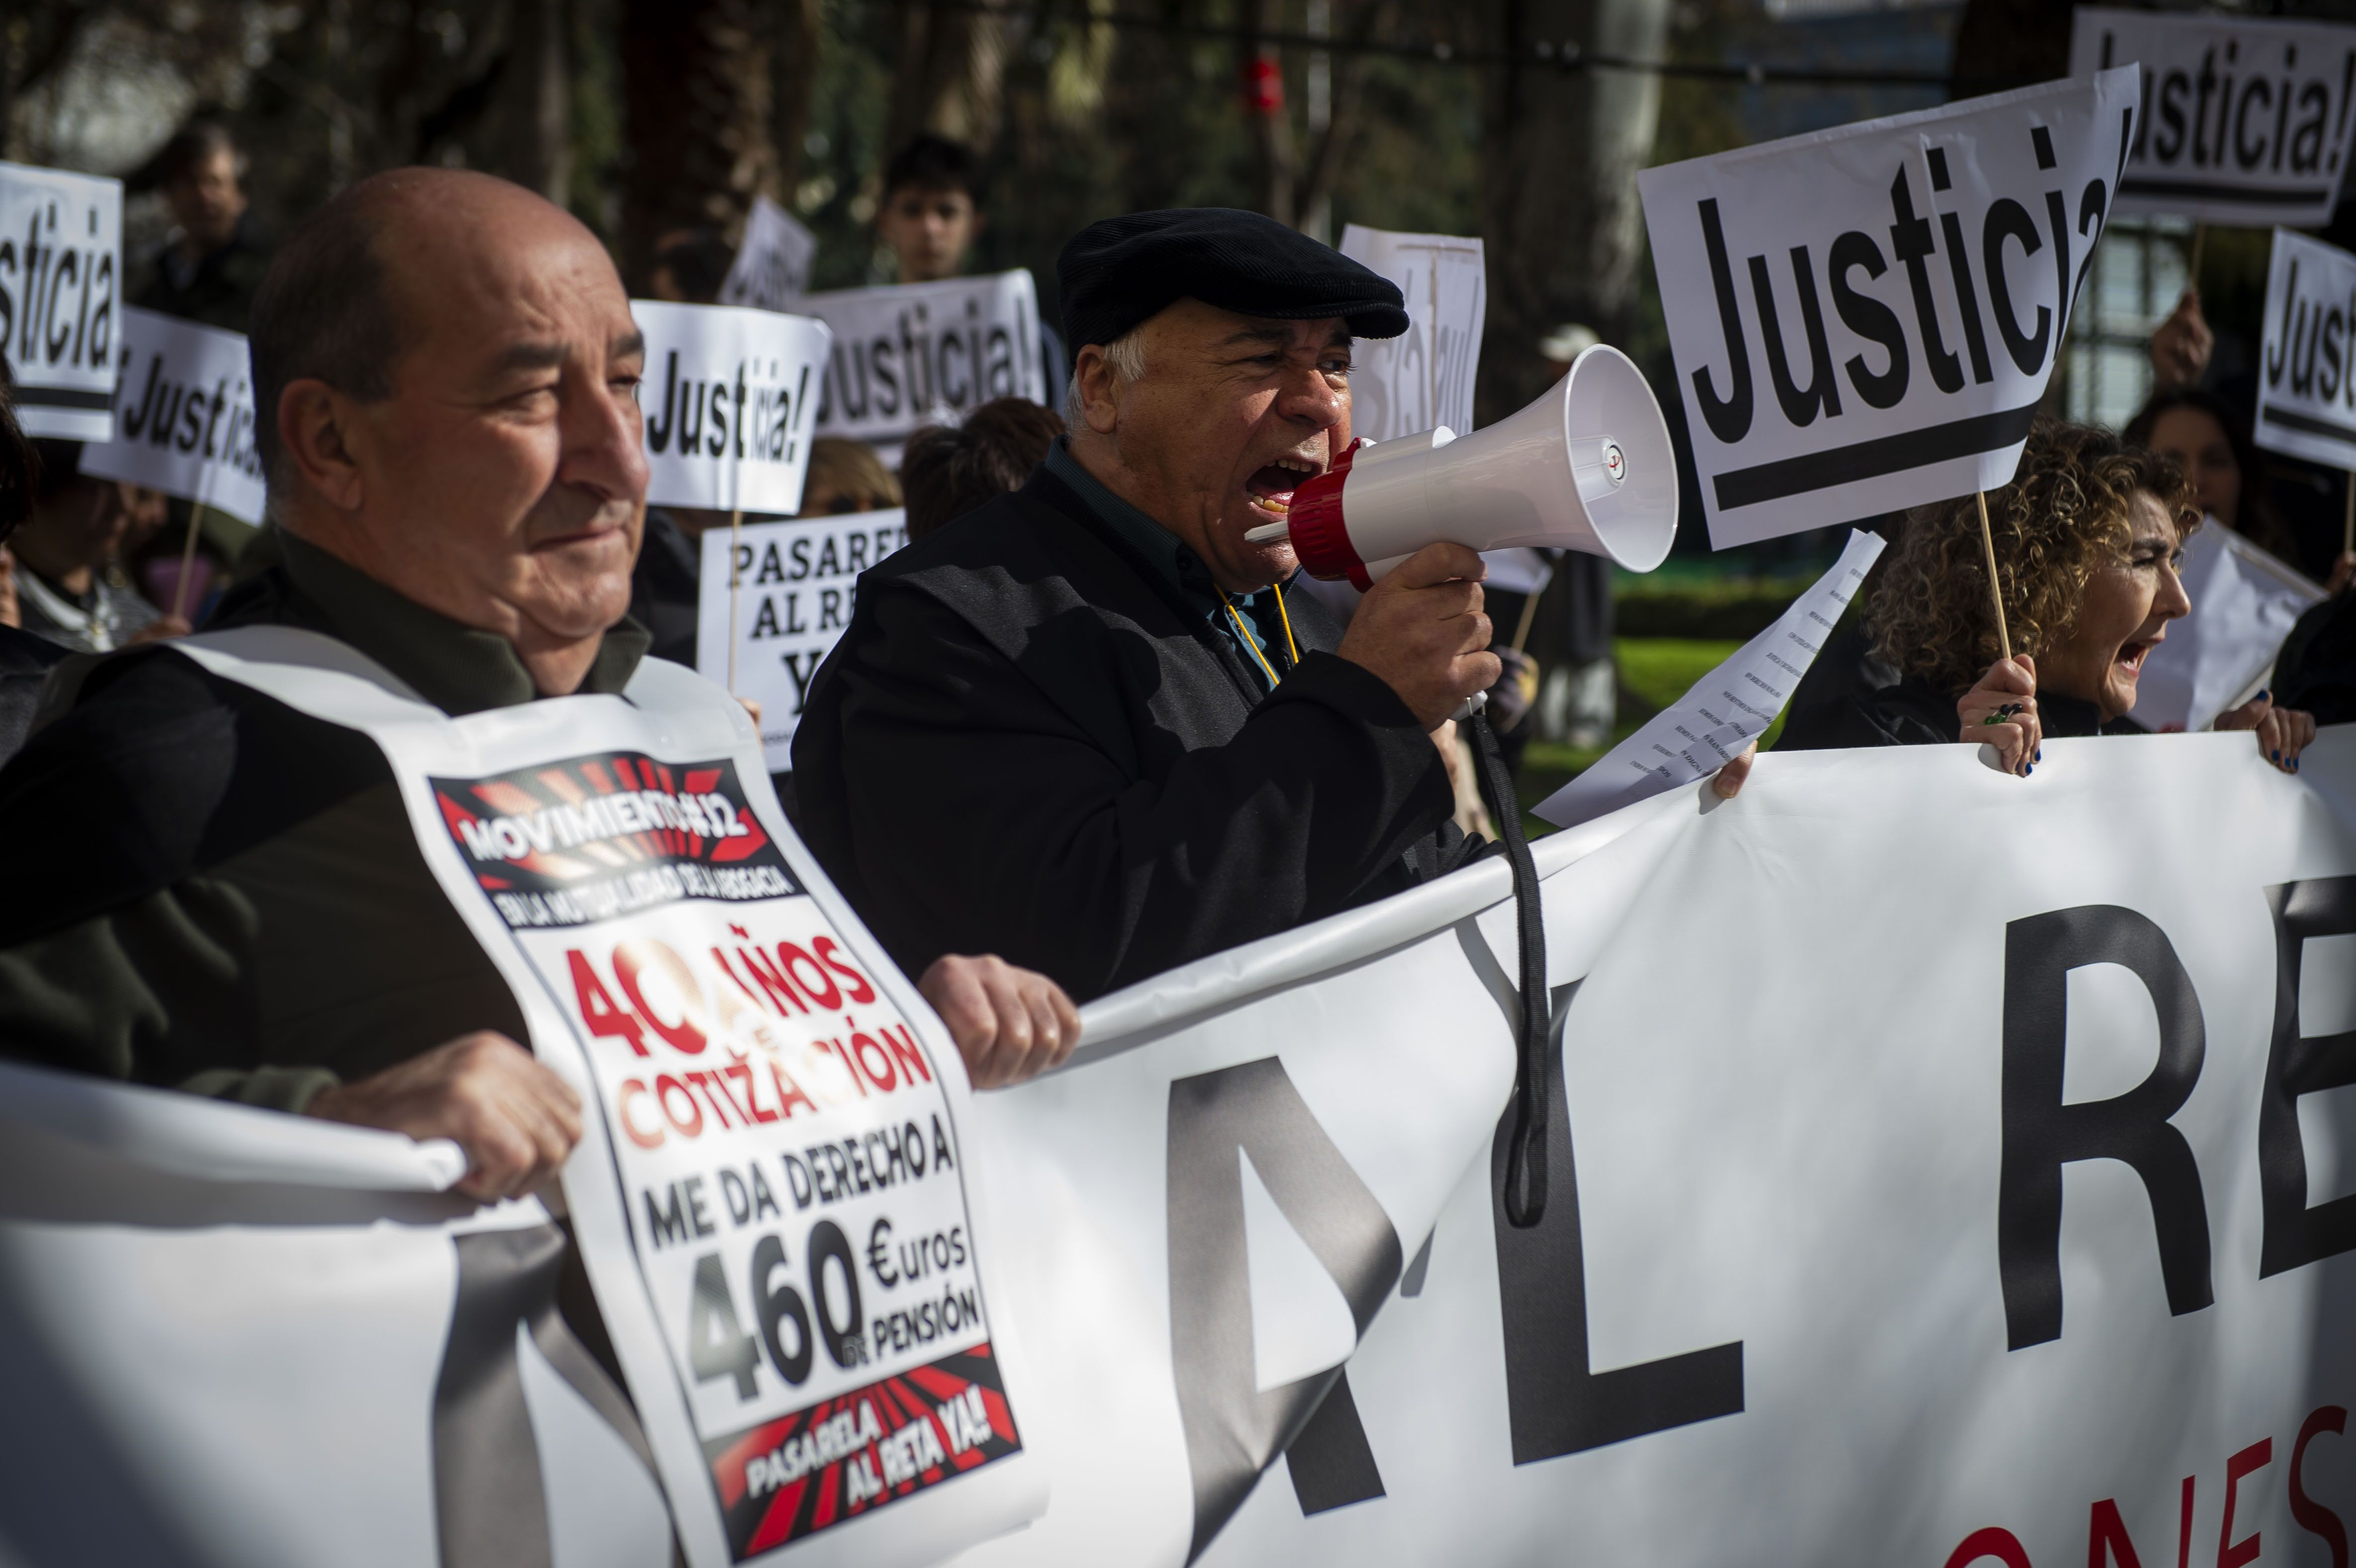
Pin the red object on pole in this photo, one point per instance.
(1263, 86)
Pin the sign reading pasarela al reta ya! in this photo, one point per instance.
(2307, 366)
(60, 298)
(729, 394)
(1865, 318)
(925, 353)
(184, 421)
(2242, 121)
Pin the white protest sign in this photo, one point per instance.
(1864, 319)
(772, 268)
(2306, 361)
(729, 397)
(1727, 709)
(60, 298)
(772, 1192)
(184, 419)
(2244, 603)
(793, 598)
(2244, 120)
(1424, 377)
(922, 353)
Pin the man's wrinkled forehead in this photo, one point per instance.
(1221, 328)
(517, 297)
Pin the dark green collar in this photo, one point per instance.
(457, 668)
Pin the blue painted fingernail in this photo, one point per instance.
(2277, 756)
(2028, 770)
(2040, 757)
(2264, 692)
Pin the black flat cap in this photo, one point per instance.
(1117, 273)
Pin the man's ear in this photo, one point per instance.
(1093, 374)
(313, 422)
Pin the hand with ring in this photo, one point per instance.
(2001, 711)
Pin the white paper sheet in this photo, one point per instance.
(2244, 603)
(1727, 709)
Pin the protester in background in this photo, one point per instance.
(24, 660)
(2092, 530)
(846, 477)
(1088, 720)
(2180, 349)
(948, 470)
(689, 265)
(454, 452)
(932, 213)
(212, 263)
(1579, 696)
(2209, 439)
(68, 584)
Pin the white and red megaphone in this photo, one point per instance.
(1587, 467)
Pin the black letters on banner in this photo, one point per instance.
(2041, 1135)
(1556, 1403)
(487, 1473)
(1233, 1430)
(2300, 1064)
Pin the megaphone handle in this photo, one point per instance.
(1471, 705)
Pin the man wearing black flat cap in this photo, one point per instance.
(1086, 720)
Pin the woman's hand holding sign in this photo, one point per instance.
(2001, 711)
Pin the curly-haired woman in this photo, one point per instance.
(2088, 539)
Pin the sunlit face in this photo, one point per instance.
(206, 200)
(1232, 414)
(929, 231)
(2122, 617)
(503, 483)
(2194, 440)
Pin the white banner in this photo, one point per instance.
(924, 353)
(772, 269)
(1917, 1194)
(2307, 362)
(60, 298)
(729, 397)
(183, 418)
(2244, 120)
(793, 598)
(1424, 377)
(1864, 319)
(2244, 603)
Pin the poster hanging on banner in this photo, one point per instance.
(183, 418)
(61, 298)
(772, 268)
(2307, 360)
(772, 1192)
(2244, 603)
(2243, 119)
(729, 397)
(1424, 377)
(925, 353)
(795, 582)
(1864, 319)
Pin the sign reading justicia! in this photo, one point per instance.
(1865, 318)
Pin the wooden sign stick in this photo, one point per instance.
(187, 562)
(1995, 594)
(735, 576)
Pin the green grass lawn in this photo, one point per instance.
(1654, 671)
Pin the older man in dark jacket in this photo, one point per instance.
(1086, 719)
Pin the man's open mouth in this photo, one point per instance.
(1270, 486)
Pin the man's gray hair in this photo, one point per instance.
(1125, 354)
(324, 311)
